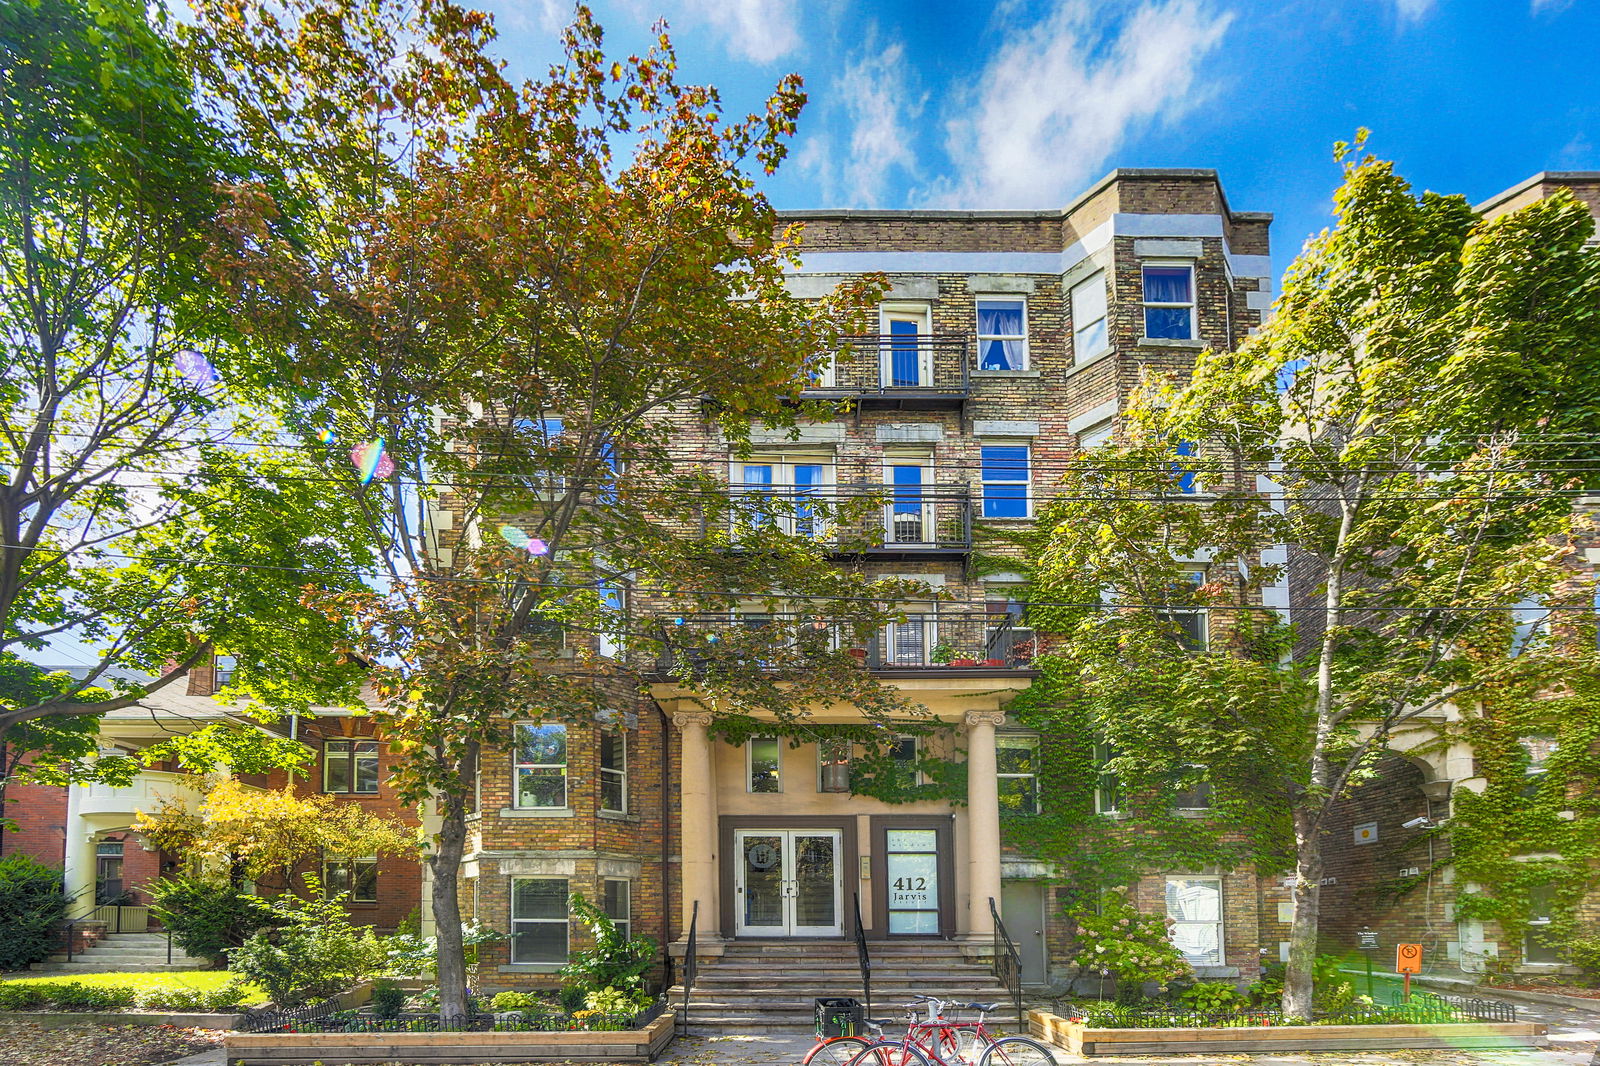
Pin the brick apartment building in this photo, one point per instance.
(1007, 343)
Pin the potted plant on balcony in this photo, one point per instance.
(942, 654)
(963, 659)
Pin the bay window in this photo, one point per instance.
(540, 765)
(614, 772)
(539, 920)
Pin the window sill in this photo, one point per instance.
(538, 812)
(1094, 360)
(1192, 812)
(532, 967)
(1170, 342)
(1003, 374)
(617, 816)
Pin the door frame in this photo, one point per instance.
(790, 852)
(944, 826)
(727, 874)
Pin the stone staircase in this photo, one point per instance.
(769, 985)
(117, 952)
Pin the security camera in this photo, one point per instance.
(1417, 823)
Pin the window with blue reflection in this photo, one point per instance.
(1005, 481)
(1169, 302)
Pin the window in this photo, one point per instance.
(358, 877)
(1541, 911)
(108, 855)
(350, 766)
(540, 765)
(764, 758)
(1169, 301)
(1539, 750)
(833, 765)
(1193, 791)
(1017, 758)
(538, 920)
(1089, 337)
(1188, 624)
(1005, 636)
(1107, 787)
(613, 618)
(619, 906)
(1005, 481)
(782, 491)
(904, 754)
(1002, 334)
(614, 772)
(909, 642)
(225, 666)
(1096, 435)
(1183, 475)
(1195, 906)
(909, 515)
(542, 439)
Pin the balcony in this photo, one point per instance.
(926, 371)
(928, 643)
(892, 522)
(148, 792)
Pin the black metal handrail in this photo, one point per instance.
(884, 364)
(1007, 960)
(691, 965)
(863, 959)
(72, 924)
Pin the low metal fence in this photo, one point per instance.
(322, 1019)
(1428, 1011)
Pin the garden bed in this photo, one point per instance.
(1255, 1031)
(302, 1038)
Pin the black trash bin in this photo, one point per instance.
(839, 1016)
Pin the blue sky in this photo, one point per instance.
(1023, 103)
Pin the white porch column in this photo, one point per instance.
(699, 824)
(983, 822)
(78, 856)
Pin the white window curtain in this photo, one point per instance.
(1195, 906)
(1002, 339)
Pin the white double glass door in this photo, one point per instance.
(787, 883)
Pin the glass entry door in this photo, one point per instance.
(787, 883)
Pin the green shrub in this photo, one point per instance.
(388, 999)
(31, 903)
(614, 961)
(504, 1001)
(572, 996)
(1213, 997)
(312, 953)
(19, 996)
(73, 995)
(616, 1001)
(1584, 953)
(208, 916)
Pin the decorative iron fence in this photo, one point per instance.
(322, 1019)
(886, 365)
(1429, 1011)
(921, 516)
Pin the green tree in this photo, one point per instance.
(1412, 420)
(130, 518)
(520, 310)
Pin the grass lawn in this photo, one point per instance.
(148, 986)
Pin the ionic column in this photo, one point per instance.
(78, 856)
(698, 812)
(983, 821)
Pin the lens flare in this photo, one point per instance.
(514, 536)
(194, 368)
(371, 461)
(325, 434)
(537, 547)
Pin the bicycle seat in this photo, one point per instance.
(981, 1006)
(877, 1023)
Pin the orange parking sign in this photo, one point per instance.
(1408, 958)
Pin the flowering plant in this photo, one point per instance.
(1115, 940)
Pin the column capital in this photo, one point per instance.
(685, 719)
(994, 718)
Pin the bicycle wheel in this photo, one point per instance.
(889, 1053)
(962, 1046)
(1016, 1051)
(837, 1051)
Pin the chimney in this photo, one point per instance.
(203, 676)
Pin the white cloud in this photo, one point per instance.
(1549, 7)
(1417, 10)
(758, 30)
(876, 103)
(541, 16)
(1055, 102)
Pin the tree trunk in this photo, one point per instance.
(1297, 984)
(445, 866)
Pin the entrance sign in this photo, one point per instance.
(1408, 958)
(763, 856)
(912, 873)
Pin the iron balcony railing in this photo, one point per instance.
(935, 639)
(897, 367)
(871, 519)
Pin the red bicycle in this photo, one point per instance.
(939, 1041)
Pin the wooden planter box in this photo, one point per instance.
(1082, 1040)
(337, 1049)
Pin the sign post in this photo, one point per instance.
(1369, 944)
(1407, 961)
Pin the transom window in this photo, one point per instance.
(538, 920)
(614, 772)
(350, 766)
(1089, 336)
(1169, 301)
(1002, 333)
(1005, 481)
(1017, 758)
(358, 877)
(540, 765)
(764, 757)
(1195, 906)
